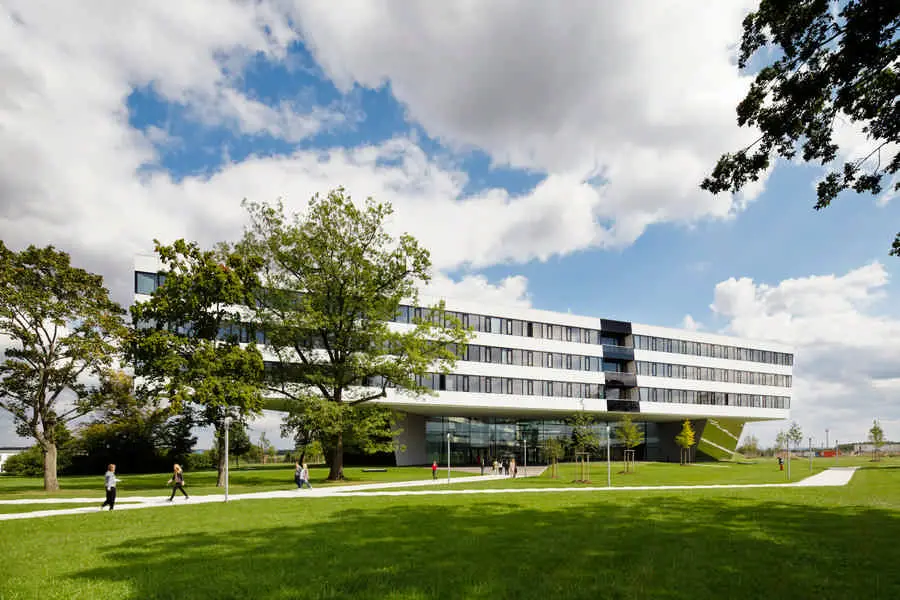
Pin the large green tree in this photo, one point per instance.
(191, 341)
(825, 63)
(63, 329)
(333, 280)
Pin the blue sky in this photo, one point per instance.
(547, 155)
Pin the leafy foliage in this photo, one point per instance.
(30, 463)
(685, 439)
(186, 344)
(629, 433)
(794, 434)
(583, 438)
(554, 449)
(63, 327)
(750, 446)
(333, 279)
(833, 63)
(876, 437)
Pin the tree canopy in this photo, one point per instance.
(876, 438)
(63, 327)
(332, 281)
(191, 342)
(829, 64)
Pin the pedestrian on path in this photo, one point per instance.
(434, 470)
(111, 481)
(304, 477)
(297, 472)
(178, 482)
(512, 468)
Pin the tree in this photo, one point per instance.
(333, 279)
(794, 434)
(583, 438)
(239, 443)
(830, 64)
(266, 448)
(876, 438)
(63, 327)
(553, 451)
(176, 440)
(630, 435)
(685, 439)
(190, 342)
(302, 428)
(125, 429)
(750, 446)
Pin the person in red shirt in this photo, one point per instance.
(434, 470)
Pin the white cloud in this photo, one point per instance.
(620, 106)
(846, 354)
(690, 324)
(511, 291)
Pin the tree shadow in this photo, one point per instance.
(652, 546)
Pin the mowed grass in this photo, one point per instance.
(829, 543)
(256, 478)
(764, 470)
(6, 509)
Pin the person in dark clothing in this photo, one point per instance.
(297, 475)
(178, 481)
(111, 481)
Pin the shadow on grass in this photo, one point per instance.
(652, 546)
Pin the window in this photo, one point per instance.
(496, 325)
(145, 283)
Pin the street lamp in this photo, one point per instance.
(525, 441)
(227, 427)
(608, 464)
(826, 438)
(810, 455)
(448, 458)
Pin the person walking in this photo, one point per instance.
(111, 481)
(298, 470)
(512, 467)
(304, 477)
(178, 482)
(434, 470)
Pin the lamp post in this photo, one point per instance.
(608, 464)
(448, 458)
(826, 438)
(810, 455)
(227, 427)
(525, 441)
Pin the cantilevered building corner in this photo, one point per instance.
(526, 370)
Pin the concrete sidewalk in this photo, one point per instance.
(834, 477)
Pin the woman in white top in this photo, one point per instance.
(111, 481)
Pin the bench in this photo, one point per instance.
(374, 470)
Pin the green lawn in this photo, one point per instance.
(828, 543)
(256, 478)
(653, 473)
(23, 508)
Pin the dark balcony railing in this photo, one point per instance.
(632, 406)
(618, 352)
(615, 379)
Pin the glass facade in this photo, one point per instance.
(498, 438)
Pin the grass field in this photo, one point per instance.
(653, 473)
(257, 478)
(838, 543)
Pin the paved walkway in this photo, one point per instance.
(833, 477)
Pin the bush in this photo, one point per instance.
(201, 461)
(30, 463)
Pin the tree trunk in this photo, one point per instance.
(336, 472)
(220, 467)
(51, 483)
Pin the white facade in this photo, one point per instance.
(549, 365)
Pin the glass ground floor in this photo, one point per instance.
(499, 438)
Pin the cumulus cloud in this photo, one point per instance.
(623, 137)
(690, 324)
(511, 291)
(846, 353)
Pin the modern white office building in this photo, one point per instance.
(526, 370)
